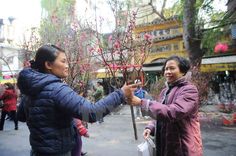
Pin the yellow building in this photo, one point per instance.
(167, 39)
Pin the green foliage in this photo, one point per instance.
(175, 10)
(210, 38)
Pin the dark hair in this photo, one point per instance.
(183, 63)
(100, 83)
(9, 85)
(45, 53)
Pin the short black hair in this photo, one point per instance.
(183, 63)
(100, 83)
(9, 85)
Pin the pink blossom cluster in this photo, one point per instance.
(221, 48)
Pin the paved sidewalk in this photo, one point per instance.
(210, 114)
(115, 137)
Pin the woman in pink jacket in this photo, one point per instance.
(9, 98)
(176, 124)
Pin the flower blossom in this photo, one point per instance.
(221, 47)
(147, 37)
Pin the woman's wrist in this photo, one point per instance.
(145, 104)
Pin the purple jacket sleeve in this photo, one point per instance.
(183, 103)
(151, 125)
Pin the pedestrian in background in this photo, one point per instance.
(81, 131)
(9, 98)
(139, 92)
(98, 94)
(49, 105)
(176, 124)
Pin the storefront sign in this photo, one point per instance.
(218, 67)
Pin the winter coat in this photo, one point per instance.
(98, 94)
(176, 120)
(49, 107)
(139, 92)
(9, 98)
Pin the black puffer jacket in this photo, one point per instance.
(48, 106)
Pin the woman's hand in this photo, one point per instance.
(128, 91)
(146, 133)
(135, 101)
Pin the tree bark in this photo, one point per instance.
(191, 42)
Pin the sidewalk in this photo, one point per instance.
(115, 137)
(210, 114)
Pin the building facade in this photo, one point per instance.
(168, 40)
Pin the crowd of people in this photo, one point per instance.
(54, 112)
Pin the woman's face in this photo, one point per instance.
(172, 71)
(59, 67)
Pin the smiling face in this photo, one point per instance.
(172, 71)
(59, 67)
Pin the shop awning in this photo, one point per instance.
(103, 73)
(153, 68)
(221, 59)
(212, 64)
(13, 80)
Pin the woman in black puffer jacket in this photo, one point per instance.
(49, 105)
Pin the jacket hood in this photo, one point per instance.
(31, 82)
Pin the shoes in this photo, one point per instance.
(83, 153)
(16, 128)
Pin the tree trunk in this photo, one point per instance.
(191, 42)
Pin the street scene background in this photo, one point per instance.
(115, 137)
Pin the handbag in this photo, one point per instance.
(146, 148)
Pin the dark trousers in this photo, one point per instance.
(32, 153)
(77, 149)
(12, 115)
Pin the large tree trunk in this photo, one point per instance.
(191, 42)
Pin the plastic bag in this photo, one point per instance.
(146, 148)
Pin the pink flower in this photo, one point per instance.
(147, 37)
(110, 38)
(221, 47)
(117, 44)
(91, 49)
(114, 66)
(99, 50)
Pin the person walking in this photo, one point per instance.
(48, 105)
(81, 131)
(99, 94)
(9, 98)
(176, 124)
(139, 92)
